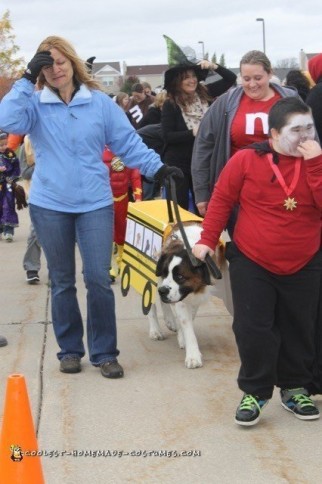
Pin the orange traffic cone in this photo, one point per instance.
(19, 459)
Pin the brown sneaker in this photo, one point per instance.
(70, 364)
(111, 369)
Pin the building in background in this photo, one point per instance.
(112, 75)
(109, 74)
(153, 74)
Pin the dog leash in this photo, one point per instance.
(210, 263)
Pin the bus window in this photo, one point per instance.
(156, 246)
(130, 230)
(147, 242)
(138, 236)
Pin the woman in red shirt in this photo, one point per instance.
(236, 119)
(274, 257)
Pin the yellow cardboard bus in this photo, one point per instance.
(147, 226)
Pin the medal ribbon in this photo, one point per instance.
(279, 176)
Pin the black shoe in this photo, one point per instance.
(70, 364)
(297, 401)
(3, 341)
(111, 369)
(32, 277)
(249, 410)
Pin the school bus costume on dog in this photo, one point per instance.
(147, 227)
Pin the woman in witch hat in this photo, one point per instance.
(187, 102)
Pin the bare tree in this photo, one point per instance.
(290, 63)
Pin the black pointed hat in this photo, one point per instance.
(89, 63)
(178, 62)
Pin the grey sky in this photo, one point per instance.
(131, 30)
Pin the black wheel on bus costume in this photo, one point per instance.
(125, 281)
(147, 298)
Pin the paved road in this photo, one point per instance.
(159, 407)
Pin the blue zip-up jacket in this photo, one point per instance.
(68, 140)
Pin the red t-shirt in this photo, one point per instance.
(282, 241)
(250, 124)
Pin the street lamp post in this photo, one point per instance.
(263, 22)
(203, 48)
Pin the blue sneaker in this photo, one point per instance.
(297, 401)
(249, 410)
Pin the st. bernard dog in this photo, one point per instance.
(183, 288)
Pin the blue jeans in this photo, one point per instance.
(57, 233)
(31, 260)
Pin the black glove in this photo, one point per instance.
(40, 60)
(166, 171)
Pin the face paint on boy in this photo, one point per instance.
(300, 127)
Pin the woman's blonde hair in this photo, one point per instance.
(81, 72)
(160, 98)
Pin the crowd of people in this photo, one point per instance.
(245, 155)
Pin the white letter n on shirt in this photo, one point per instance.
(250, 122)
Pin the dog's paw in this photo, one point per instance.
(156, 335)
(193, 362)
(171, 324)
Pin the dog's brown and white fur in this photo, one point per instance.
(183, 288)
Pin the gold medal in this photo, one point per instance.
(290, 203)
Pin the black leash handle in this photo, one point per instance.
(170, 213)
(211, 265)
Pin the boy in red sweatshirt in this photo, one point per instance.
(274, 259)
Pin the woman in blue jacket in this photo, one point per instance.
(70, 120)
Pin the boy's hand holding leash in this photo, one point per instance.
(200, 251)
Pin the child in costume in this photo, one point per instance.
(274, 258)
(9, 173)
(122, 179)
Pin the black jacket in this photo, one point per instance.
(314, 100)
(218, 87)
(153, 116)
(178, 138)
